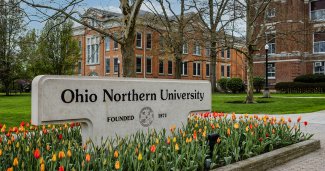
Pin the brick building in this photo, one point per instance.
(101, 55)
(295, 33)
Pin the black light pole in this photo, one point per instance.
(118, 68)
(266, 92)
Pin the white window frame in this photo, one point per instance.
(163, 68)
(168, 67)
(183, 68)
(320, 42)
(149, 57)
(197, 69)
(222, 71)
(115, 42)
(270, 13)
(228, 76)
(138, 56)
(148, 41)
(136, 40)
(107, 43)
(207, 63)
(321, 64)
(271, 77)
(321, 11)
(185, 48)
(197, 49)
(92, 41)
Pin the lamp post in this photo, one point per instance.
(118, 68)
(266, 92)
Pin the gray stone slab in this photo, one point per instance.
(116, 106)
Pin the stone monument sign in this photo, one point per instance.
(116, 106)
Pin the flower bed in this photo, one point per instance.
(58, 147)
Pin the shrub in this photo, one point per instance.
(310, 78)
(235, 85)
(223, 83)
(258, 83)
(299, 87)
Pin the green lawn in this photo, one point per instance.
(14, 109)
(278, 104)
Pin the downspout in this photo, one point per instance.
(144, 53)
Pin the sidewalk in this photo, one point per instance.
(314, 161)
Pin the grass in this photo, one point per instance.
(14, 109)
(278, 104)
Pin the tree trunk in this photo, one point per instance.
(250, 87)
(178, 61)
(213, 56)
(128, 57)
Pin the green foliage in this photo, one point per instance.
(223, 83)
(300, 87)
(58, 51)
(54, 146)
(310, 78)
(235, 85)
(258, 83)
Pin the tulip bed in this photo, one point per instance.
(59, 147)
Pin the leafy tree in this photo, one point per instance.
(11, 28)
(58, 51)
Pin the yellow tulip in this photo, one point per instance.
(42, 167)
(116, 154)
(15, 163)
(54, 157)
(69, 153)
(174, 139)
(140, 157)
(176, 147)
(117, 165)
(61, 155)
(236, 125)
(0, 152)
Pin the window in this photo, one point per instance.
(107, 43)
(222, 53)
(319, 68)
(317, 10)
(319, 42)
(92, 50)
(184, 68)
(185, 48)
(170, 67)
(271, 70)
(222, 70)
(116, 67)
(197, 49)
(115, 42)
(92, 23)
(138, 64)
(139, 40)
(161, 66)
(207, 69)
(196, 68)
(270, 12)
(228, 71)
(107, 65)
(228, 53)
(79, 67)
(207, 49)
(271, 43)
(149, 65)
(80, 46)
(148, 42)
(161, 43)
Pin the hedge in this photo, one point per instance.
(258, 83)
(310, 78)
(299, 87)
(235, 85)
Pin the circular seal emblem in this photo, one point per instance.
(146, 116)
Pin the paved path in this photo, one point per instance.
(314, 161)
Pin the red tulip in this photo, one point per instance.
(305, 123)
(37, 153)
(153, 148)
(260, 139)
(61, 168)
(60, 136)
